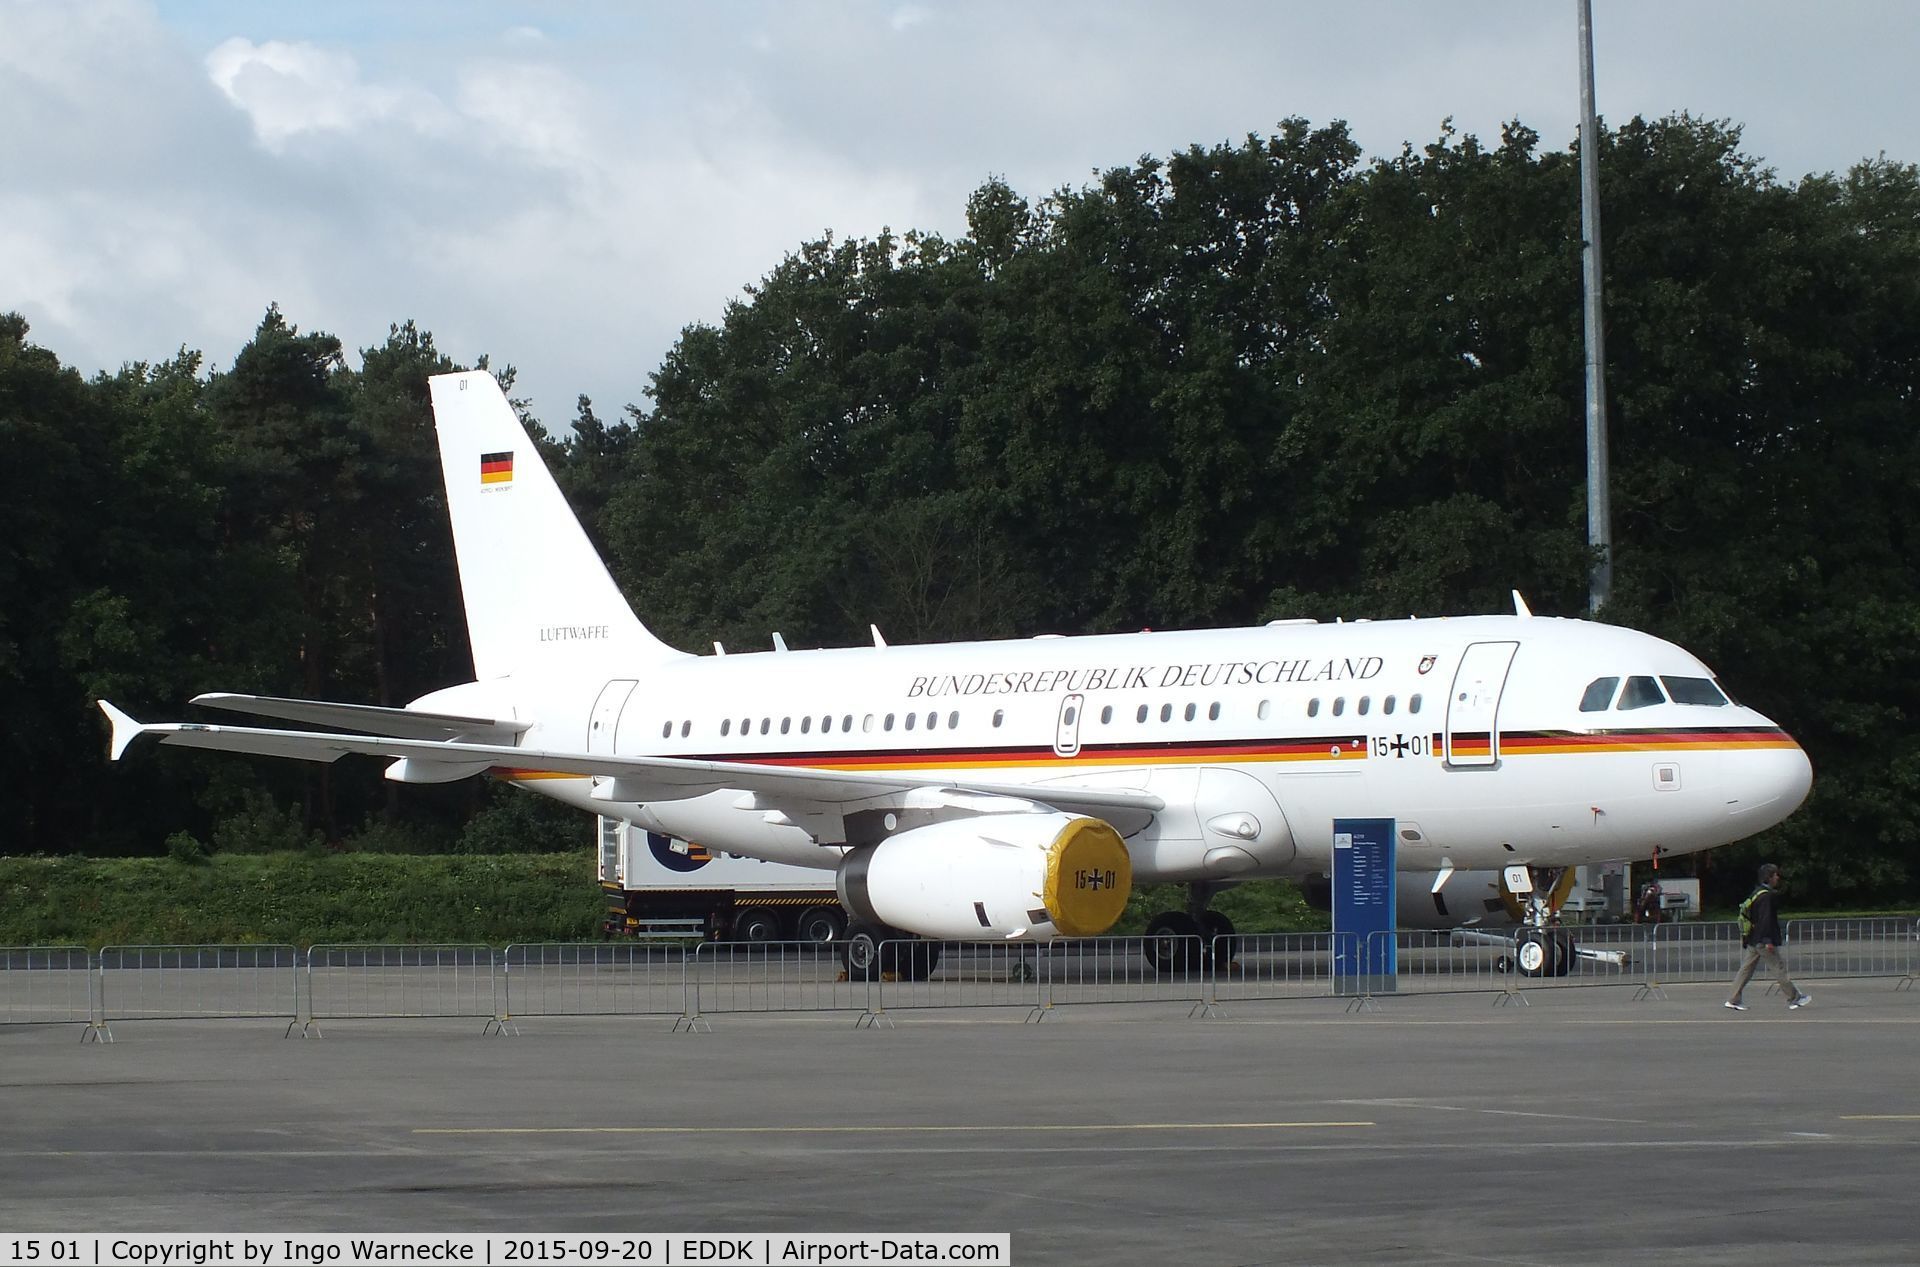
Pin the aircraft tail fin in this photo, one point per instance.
(536, 591)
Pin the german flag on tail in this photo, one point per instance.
(496, 468)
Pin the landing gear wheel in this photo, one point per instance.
(1217, 930)
(912, 960)
(1563, 956)
(756, 927)
(1174, 943)
(821, 925)
(1534, 953)
(861, 951)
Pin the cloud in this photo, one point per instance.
(290, 88)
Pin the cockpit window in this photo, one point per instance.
(1599, 695)
(1641, 692)
(1694, 690)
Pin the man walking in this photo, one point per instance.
(1760, 934)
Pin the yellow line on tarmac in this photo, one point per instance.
(877, 1130)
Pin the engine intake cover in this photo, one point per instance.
(1035, 875)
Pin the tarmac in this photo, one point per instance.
(1586, 1128)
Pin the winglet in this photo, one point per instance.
(125, 729)
(1520, 607)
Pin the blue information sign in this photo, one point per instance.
(1363, 905)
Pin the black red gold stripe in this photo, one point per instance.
(1513, 743)
(496, 468)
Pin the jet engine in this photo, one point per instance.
(1025, 875)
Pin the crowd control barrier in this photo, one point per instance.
(1875, 947)
(400, 982)
(593, 979)
(64, 985)
(772, 976)
(155, 983)
(46, 985)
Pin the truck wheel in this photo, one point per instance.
(822, 925)
(756, 927)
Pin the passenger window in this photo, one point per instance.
(686, 728)
(1693, 690)
(826, 723)
(866, 724)
(1640, 692)
(953, 719)
(1598, 695)
(1192, 711)
(999, 715)
(1213, 711)
(1386, 705)
(666, 730)
(1142, 714)
(746, 725)
(933, 721)
(1413, 705)
(806, 724)
(1366, 704)
(1265, 710)
(1106, 715)
(766, 724)
(911, 719)
(786, 724)
(846, 724)
(1339, 705)
(1166, 712)
(1313, 708)
(1071, 716)
(888, 723)
(726, 724)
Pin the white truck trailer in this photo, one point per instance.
(656, 884)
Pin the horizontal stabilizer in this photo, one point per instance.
(367, 719)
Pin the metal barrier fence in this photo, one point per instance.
(401, 982)
(774, 976)
(46, 985)
(962, 974)
(594, 979)
(55, 985)
(1250, 966)
(1878, 947)
(1124, 970)
(172, 983)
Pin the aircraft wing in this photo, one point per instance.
(638, 778)
(400, 723)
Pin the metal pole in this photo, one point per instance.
(1599, 500)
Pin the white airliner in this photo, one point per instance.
(1018, 789)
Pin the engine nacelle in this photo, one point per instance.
(1033, 876)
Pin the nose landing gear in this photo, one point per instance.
(1541, 948)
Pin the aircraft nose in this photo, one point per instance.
(1767, 785)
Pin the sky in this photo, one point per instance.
(567, 186)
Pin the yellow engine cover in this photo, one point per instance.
(1089, 877)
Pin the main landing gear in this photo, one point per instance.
(1184, 942)
(872, 951)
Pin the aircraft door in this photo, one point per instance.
(603, 728)
(1066, 734)
(1473, 706)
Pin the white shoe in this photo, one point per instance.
(1802, 1001)
(1740, 1007)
